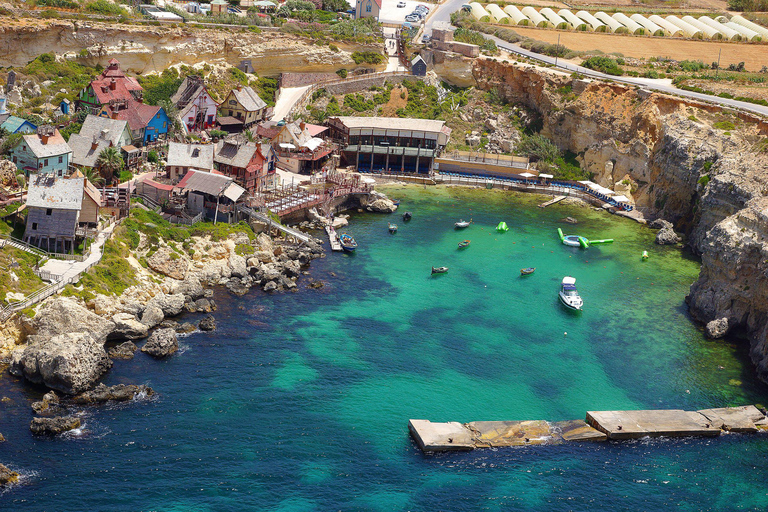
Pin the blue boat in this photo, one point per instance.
(347, 242)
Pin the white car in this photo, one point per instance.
(412, 18)
(401, 4)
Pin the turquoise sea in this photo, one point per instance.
(300, 401)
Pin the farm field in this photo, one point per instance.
(754, 56)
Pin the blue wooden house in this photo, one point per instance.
(44, 152)
(147, 123)
(18, 125)
(64, 106)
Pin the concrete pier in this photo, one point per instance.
(599, 426)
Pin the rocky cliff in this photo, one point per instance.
(693, 164)
(146, 49)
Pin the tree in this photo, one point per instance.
(173, 115)
(93, 175)
(109, 163)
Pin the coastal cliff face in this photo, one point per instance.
(693, 164)
(147, 49)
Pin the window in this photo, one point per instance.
(34, 226)
(368, 7)
(23, 148)
(14, 160)
(165, 124)
(232, 102)
(61, 159)
(48, 211)
(45, 163)
(158, 115)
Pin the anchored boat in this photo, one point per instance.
(439, 270)
(407, 216)
(347, 242)
(502, 227)
(527, 271)
(462, 224)
(392, 228)
(464, 244)
(569, 296)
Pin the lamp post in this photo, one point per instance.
(557, 49)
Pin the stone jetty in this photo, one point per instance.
(598, 426)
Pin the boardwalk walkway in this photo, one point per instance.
(303, 237)
(66, 272)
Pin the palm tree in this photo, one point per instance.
(109, 163)
(92, 175)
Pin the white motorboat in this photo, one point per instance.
(569, 296)
(462, 224)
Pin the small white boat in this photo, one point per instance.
(568, 294)
(462, 224)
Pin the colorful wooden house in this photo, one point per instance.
(197, 110)
(45, 152)
(112, 85)
(251, 165)
(245, 105)
(147, 123)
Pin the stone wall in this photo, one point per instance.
(361, 84)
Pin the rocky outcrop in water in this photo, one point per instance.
(119, 393)
(70, 363)
(127, 327)
(50, 402)
(124, 350)
(54, 426)
(64, 315)
(7, 476)
(162, 343)
(207, 324)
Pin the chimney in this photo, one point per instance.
(112, 85)
(104, 133)
(114, 114)
(44, 138)
(302, 125)
(239, 87)
(94, 144)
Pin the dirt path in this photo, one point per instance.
(754, 55)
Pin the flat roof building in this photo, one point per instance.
(389, 144)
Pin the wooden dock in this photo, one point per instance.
(552, 201)
(334, 238)
(599, 426)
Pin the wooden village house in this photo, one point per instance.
(245, 105)
(59, 211)
(45, 152)
(197, 110)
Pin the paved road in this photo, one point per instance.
(444, 14)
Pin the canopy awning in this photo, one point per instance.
(621, 199)
(287, 145)
(545, 176)
(312, 144)
(527, 175)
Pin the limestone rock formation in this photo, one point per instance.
(168, 263)
(7, 476)
(70, 363)
(162, 343)
(717, 328)
(169, 304)
(152, 315)
(127, 328)
(189, 287)
(124, 350)
(667, 236)
(207, 324)
(49, 403)
(382, 205)
(117, 393)
(64, 315)
(53, 426)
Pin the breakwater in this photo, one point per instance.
(598, 426)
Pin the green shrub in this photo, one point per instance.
(106, 8)
(342, 73)
(152, 157)
(217, 134)
(724, 125)
(703, 180)
(367, 57)
(603, 64)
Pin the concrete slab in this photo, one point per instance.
(734, 419)
(576, 430)
(653, 423)
(489, 434)
(440, 437)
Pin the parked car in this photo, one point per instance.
(413, 18)
(426, 38)
(401, 4)
(422, 7)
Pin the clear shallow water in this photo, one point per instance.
(300, 401)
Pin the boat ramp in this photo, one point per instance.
(552, 201)
(334, 238)
(598, 426)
